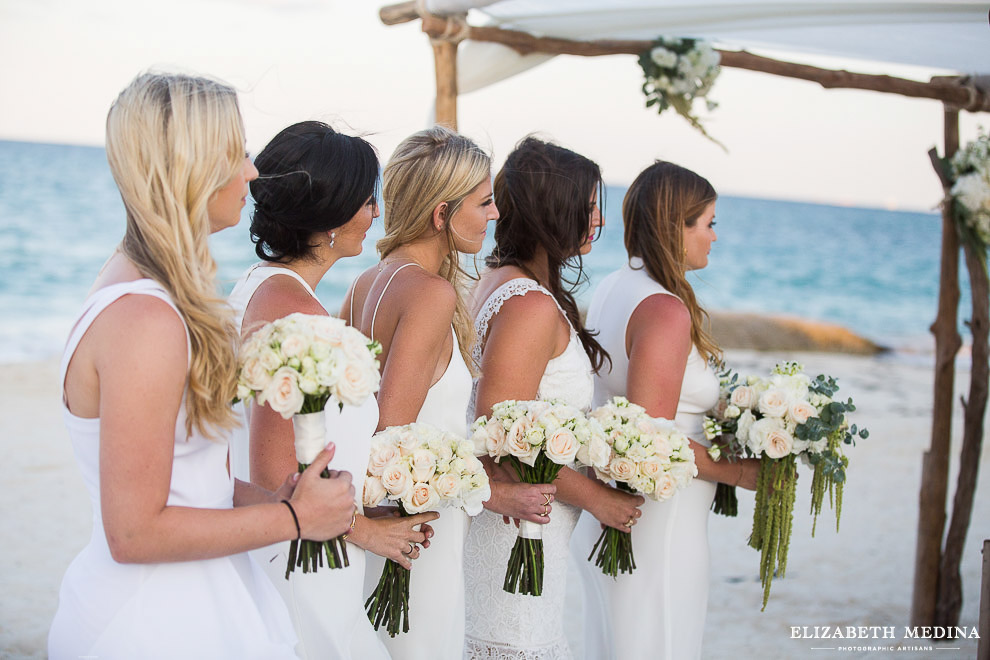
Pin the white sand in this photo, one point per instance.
(859, 576)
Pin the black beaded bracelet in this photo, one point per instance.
(295, 518)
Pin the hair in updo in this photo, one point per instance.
(311, 179)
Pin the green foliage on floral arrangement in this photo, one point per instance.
(969, 171)
(678, 71)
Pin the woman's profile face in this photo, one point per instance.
(349, 237)
(698, 239)
(224, 207)
(469, 225)
(594, 223)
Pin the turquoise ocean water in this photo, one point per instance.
(873, 271)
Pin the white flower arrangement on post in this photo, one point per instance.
(678, 71)
(969, 171)
(296, 365)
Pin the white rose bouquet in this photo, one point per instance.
(420, 468)
(648, 456)
(537, 438)
(777, 420)
(297, 365)
(678, 71)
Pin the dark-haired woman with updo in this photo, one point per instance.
(314, 202)
(531, 344)
(649, 320)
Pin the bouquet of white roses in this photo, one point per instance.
(648, 456)
(537, 438)
(296, 365)
(421, 468)
(678, 71)
(778, 419)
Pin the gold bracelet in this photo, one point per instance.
(353, 520)
(739, 476)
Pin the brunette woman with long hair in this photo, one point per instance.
(148, 376)
(650, 322)
(532, 345)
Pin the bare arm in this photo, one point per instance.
(658, 342)
(138, 346)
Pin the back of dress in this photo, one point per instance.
(221, 608)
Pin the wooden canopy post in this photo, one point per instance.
(444, 44)
(935, 464)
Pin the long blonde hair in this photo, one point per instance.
(428, 168)
(172, 142)
(663, 200)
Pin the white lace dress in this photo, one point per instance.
(515, 626)
(659, 610)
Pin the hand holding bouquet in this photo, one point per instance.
(296, 365)
(537, 438)
(778, 419)
(648, 456)
(420, 468)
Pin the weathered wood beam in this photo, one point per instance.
(400, 13)
(445, 61)
(947, 90)
(935, 464)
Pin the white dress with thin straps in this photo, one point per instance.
(326, 606)
(210, 608)
(659, 610)
(516, 626)
(436, 582)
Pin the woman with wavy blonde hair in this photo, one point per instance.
(148, 376)
(648, 319)
(438, 203)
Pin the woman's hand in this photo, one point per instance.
(521, 501)
(324, 506)
(394, 536)
(616, 508)
(748, 473)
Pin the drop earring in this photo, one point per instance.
(333, 238)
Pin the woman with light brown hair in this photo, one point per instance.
(648, 319)
(438, 203)
(148, 376)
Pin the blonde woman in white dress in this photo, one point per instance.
(148, 374)
(438, 204)
(532, 345)
(314, 202)
(649, 321)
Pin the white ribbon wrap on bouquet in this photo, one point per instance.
(311, 435)
(530, 530)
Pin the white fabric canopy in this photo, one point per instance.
(937, 34)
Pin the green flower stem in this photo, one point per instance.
(309, 554)
(615, 548)
(524, 572)
(725, 503)
(389, 602)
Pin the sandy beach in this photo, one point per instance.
(860, 576)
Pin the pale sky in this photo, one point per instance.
(333, 60)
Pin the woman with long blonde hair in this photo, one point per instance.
(650, 322)
(148, 376)
(438, 203)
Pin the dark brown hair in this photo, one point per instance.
(542, 194)
(663, 200)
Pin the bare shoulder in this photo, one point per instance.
(660, 318)
(534, 307)
(277, 297)
(143, 325)
(417, 291)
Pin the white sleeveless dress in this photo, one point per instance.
(516, 626)
(436, 582)
(210, 608)
(326, 606)
(659, 610)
